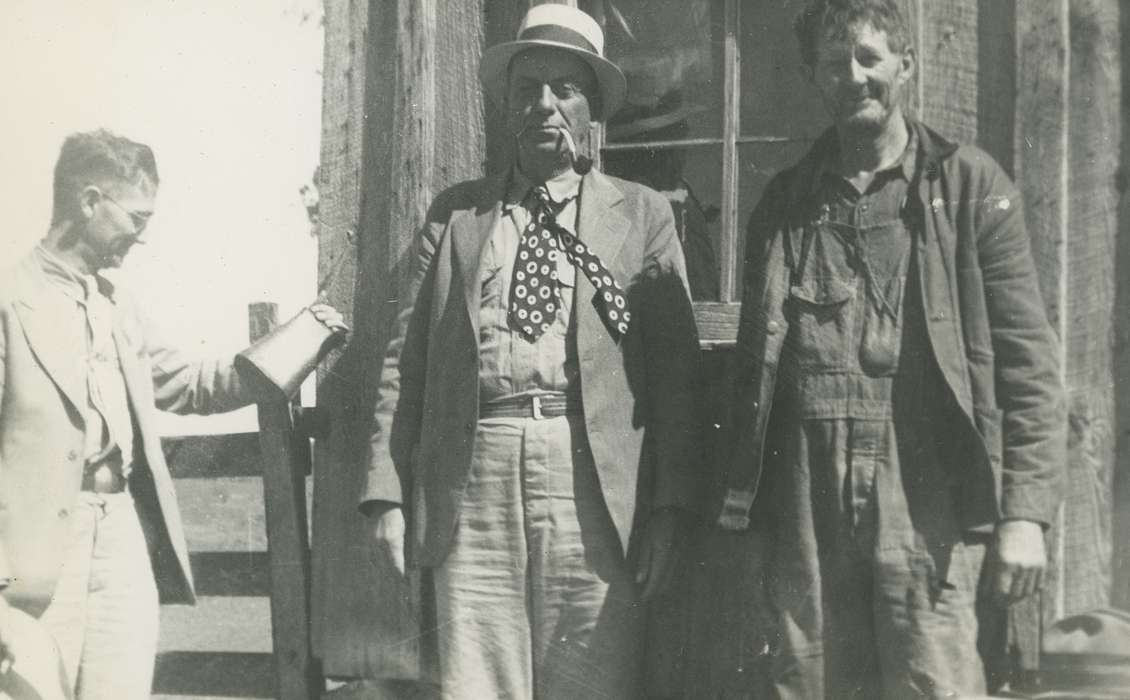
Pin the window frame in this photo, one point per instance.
(717, 320)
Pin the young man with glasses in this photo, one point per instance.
(90, 536)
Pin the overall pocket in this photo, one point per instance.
(822, 333)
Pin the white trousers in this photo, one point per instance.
(104, 611)
(535, 599)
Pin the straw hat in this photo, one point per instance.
(560, 27)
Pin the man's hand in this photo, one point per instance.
(7, 655)
(329, 316)
(385, 524)
(661, 549)
(1017, 561)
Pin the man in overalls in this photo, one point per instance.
(899, 408)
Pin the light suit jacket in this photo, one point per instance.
(43, 393)
(638, 394)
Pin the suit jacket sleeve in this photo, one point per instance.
(183, 383)
(398, 416)
(1028, 387)
(669, 339)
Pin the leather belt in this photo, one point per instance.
(104, 480)
(538, 406)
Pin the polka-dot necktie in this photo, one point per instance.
(534, 293)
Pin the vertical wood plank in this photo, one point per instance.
(949, 67)
(1120, 588)
(1041, 170)
(358, 618)
(731, 112)
(285, 458)
(996, 79)
(413, 123)
(500, 23)
(402, 120)
(1094, 134)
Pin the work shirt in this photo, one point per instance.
(846, 296)
(107, 419)
(509, 364)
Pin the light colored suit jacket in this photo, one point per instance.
(43, 393)
(638, 393)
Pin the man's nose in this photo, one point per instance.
(547, 101)
(855, 72)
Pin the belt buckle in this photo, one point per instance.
(535, 407)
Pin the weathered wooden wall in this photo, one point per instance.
(402, 120)
(1094, 136)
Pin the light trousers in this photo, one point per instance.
(535, 599)
(104, 611)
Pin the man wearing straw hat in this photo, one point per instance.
(90, 536)
(535, 425)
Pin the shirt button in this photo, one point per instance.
(772, 327)
(63, 512)
(72, 455)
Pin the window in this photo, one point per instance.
(716, 105)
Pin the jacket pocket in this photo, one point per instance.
(823, 322)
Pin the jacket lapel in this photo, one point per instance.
(133, 375)
(469, 234)
(601, 224)
(60, 347)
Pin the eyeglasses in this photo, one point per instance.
(140, 219)
(562, 88)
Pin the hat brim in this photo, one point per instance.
(495, 64)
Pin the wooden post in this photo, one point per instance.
(1120, 565)
(286, 461)
(402, 119)
(1041, 152)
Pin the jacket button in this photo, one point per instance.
(470, 427)
(772, 327)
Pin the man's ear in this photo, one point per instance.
(87, 197)
(908, 62)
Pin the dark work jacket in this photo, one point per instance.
(984, 316)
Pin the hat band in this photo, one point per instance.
(558, 34)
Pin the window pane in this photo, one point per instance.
(758, 164)
(671, 53)
(691, 180)
(776, 99)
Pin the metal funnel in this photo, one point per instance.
(276, 364)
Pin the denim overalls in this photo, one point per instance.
(870, 585)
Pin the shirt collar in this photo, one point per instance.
(562, 188)
(63, 275)
(904, 166)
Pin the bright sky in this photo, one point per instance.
(228, 94)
